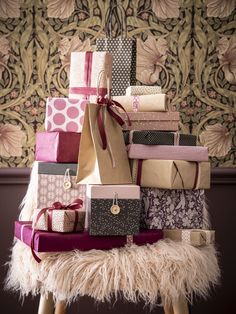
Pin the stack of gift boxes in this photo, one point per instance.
(162, 194)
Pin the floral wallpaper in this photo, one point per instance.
(186, 46)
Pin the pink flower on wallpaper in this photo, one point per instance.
(151, 56)
(60, 8)
(220, 8)
(11, 139)
(165, 9)
(9, 9)
(218, 140)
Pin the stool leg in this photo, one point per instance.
(168, 309)
(46, 304)
(60, 307)
(181, 306)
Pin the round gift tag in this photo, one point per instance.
(115, 209)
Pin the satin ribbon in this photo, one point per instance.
(135, 103)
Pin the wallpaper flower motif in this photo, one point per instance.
(165, 9)
(9, 8)
(60, 8)
(11, 140)
(220, 8)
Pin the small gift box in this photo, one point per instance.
(196, 237)
(64, 114)
(114, 209)
(57, 146)
(143, 103)
(172, 209)
(188, 153)
(143, 90)
(171, 174)
(159, 121)
(60, 218)
(90, 74)
(153, 137)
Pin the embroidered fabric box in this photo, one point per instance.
(171, 174)
(90, 74)
(44, 241)
(159, 121)
(153, 137)
(142, 90)
(57, 146)
(172, 209)
(196, 237)
(163, 152)
(114, 209)
(64, 114)
(56, 182)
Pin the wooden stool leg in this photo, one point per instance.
(181, 306)
(168, 309)
(60, 308)
(46, 305)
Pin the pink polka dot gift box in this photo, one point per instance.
(64, 114)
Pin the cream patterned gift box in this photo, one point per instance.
(143, 90)
(196, 237)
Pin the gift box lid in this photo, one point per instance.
(57, 168)
(130, 191)
(152, 116)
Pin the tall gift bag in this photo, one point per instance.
(123, 51)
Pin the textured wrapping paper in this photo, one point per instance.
(57, 242)
(188, 153)
(172, 209)
(64, 114)
(171, 174)
(57, 146)
(159, 121)
(88, 71)
(56, 182)
(196, 237)
(114, 209)
(124, 62)
(142, 90)
(143, 103)
(153, 137)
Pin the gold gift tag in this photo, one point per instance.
(67, 185)
(67, 180)
(115, 209)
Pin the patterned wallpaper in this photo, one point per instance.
(188, 47)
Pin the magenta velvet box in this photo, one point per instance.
(60, 242)
(57, 146)
(188, 153)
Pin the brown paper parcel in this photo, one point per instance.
(196, 237)
(98, 165)
(171, 174)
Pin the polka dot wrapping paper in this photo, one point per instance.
(64, 114)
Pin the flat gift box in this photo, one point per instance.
(195, 237)
(65, 114)
(188, 153)
(90, 74)
(143, 103)
(172, 209)
(142, 90)
(113, 209)
(57, 146)
(159, 121)
(171, 174)
(153, 137)
(63, 242)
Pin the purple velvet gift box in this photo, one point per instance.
(57, 146)
(60, 242)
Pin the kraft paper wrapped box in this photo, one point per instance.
(195, 237)
(56, 182)
(64, 114)
(172, 209)
(90, 74)
(57, 146)
(44, 241)
(171, 174)
(143, 90)
(114, 209)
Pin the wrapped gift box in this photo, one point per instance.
(114, 209)
(196, 237)
(188, 153)
(64, 114)
(90, 74)
(44, 241)
(57, 182)
(143, 90)
(172, 209)
(159, 121)
(153, 137)
(171, 174)
(143, 103)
